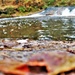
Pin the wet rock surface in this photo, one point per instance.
(22, 50)
(40, 63)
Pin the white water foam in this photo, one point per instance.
(29, 16)
(66, 12)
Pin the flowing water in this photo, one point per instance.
(56, 23)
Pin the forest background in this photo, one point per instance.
(11, 8)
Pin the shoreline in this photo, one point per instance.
(20, 14)
(29, 44)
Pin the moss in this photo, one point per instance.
(22, 9)
(5, 15)
(9, 10)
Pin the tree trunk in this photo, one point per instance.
(2, 1)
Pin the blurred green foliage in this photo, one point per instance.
(22, 9)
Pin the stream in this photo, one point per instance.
(54, 23)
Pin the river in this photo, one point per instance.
(54, 23)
